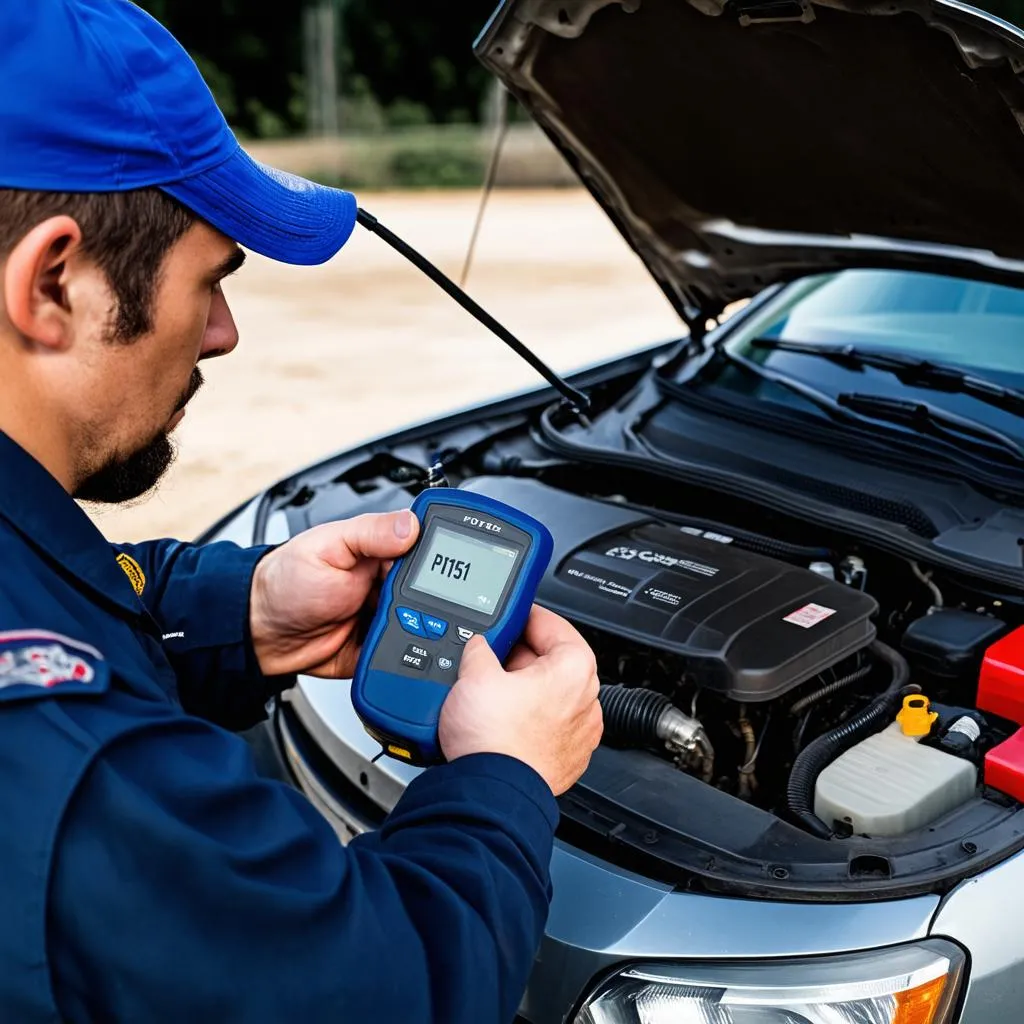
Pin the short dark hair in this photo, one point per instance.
(127, 235)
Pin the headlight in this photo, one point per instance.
(915, 984)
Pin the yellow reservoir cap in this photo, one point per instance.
(914, 718)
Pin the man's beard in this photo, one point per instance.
(127, 477)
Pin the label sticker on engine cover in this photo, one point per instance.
(809, 615)
(579, 574)
(668, 591)
(718, 538)
(658, 595)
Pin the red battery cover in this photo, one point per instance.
(1001, 684)
(1001, 692)
(1004, 767)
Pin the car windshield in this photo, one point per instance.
(970, 325)
(967, 323)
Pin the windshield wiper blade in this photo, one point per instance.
(825, 402)
(926, 419)
(865, 411)
(911, 370)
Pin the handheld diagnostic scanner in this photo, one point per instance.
(475, 568)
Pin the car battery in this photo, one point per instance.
(1001, 692)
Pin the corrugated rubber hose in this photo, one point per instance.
(631, 715)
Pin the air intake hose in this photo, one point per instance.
(814, 758)
(639, 718)
(631, 715)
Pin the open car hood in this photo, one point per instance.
(738, 143)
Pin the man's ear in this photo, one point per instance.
(34, 285)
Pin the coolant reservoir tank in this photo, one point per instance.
(889, 784)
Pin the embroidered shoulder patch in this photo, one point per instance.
(33, 661)
(132, 569)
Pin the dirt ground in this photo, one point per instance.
(333, 355)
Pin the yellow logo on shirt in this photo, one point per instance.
(132, 569)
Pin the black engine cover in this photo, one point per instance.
(748, 626)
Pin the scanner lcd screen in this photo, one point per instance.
(468, 571)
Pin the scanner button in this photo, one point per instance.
(411, 621)
(416, 657)
(434, 626)
(463, 635)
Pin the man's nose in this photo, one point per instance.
(221, 333)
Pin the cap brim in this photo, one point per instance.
(271, 212)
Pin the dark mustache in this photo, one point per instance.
(196, 381)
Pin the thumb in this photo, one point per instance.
(478, 659)
(377, 535)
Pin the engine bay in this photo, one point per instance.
(790, 711)
(728, 662)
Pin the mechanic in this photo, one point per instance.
(149, 873)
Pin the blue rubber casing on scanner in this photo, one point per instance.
(401, 711)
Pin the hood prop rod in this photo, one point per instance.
(577, 401)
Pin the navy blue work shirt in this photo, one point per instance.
(147, 873)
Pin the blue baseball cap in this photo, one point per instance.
(96, 96)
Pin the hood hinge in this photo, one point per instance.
(693, 344)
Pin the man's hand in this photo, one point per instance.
(542, 710)
(310, 596)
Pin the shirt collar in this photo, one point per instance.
(36, 505)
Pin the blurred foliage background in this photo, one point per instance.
(398, 64)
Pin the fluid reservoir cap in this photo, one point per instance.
(915, 719)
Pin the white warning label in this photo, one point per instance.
(809, 615)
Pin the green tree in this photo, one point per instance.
(416, 59)
(414, 65)
(250, 55)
